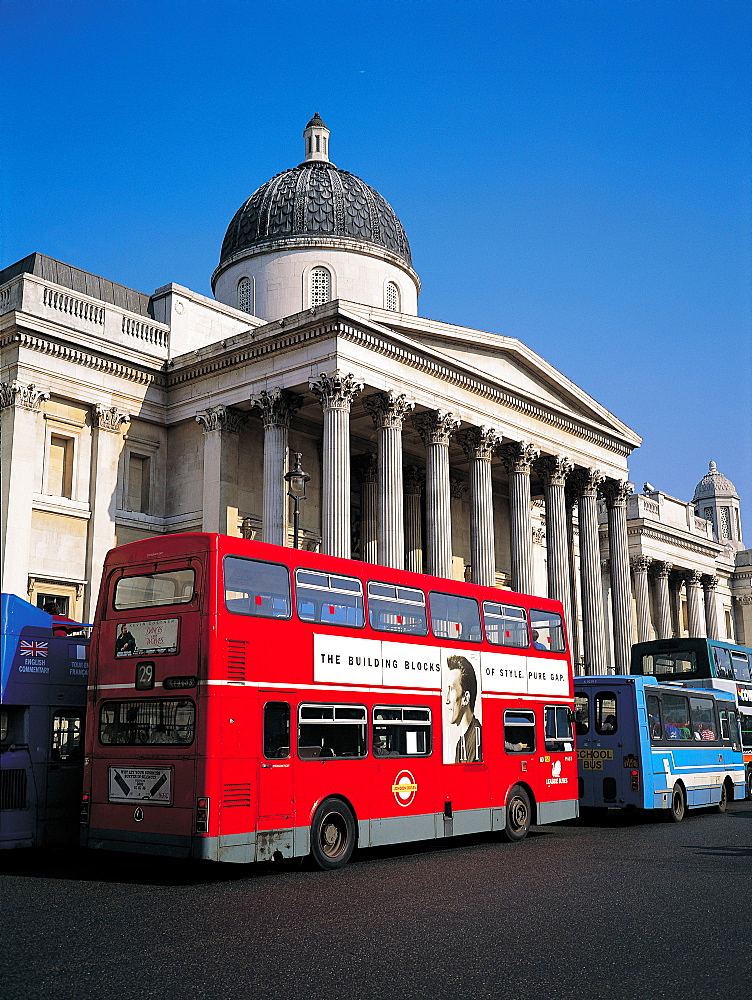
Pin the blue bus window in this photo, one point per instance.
(703, 719)
(605, 713)
(676, 724)
(655, 721)
(582, 714)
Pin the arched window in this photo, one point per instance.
(392, 297)
(321, 286)
(245, 298)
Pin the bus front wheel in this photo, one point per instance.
(332, 835)
(518, 815)
(678, 804)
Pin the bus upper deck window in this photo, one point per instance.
(740, 662)
(548, 631)
(256, 588)
(581, 713)
(606, 719)
(722, 662)
(329, 599)
(151, 590)
(506, 625)
(396, 609)
(454, 617)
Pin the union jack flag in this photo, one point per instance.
(33, 647)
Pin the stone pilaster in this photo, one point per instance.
(369, 544)
(19, 461)
(588, 482)
(709, 583)
(222, 425)
(518, 458)
(336, 392)
(675, 603)
(277, 407)
(435, 428)
(414, 479)
(107, 445)
(661, 571)
(640, 567)
(616, 493)
(479, 444)
(695, 616)
(388, 410)
(554, 469)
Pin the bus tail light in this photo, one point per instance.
(202, 815)
(634, 780)
(85, 808)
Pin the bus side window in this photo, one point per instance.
(67, 730)
(722, 661)
(655, 722)
(256, 588)
(454, 617)
(276, 730)
(519, 732)
(558, 727)
(548, 631)
(582, 714)
(506, 625)
(740, 663)
(329, 599)
(605, 713)
(703, 719)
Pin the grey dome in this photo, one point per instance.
(315, 199)
(714, 484)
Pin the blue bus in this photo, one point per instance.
(645, 745)
(723, 666)
(43, 675)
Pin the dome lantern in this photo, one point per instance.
(717, 501)
(316, 138)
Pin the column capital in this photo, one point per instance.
(336, 391)
(587, 482)
(709, 582)
(277, 407)
(554, 469)
(26, 397)
(366, 467)
(640, 564)
(518, 456)
(616, 492)
(221, 418)
(414, 479)
(109, 418)
(479, 442)
(435, 426)
(661, 568)
(692, 577)
(388, 409)
(458, 488)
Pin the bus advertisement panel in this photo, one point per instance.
(301, 704)
(649, 746)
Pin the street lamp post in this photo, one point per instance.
(296, 481)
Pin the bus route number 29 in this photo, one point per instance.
(144, 675)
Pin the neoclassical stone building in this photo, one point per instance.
(439, 448)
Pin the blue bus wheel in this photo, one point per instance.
(678, 804)
(721, 806)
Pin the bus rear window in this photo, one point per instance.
(257, 588)
(143, 723)
(676, 663)
(176, 586)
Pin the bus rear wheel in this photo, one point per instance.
(332, 835)
(723, 802)
(518, 815)
(678, 804)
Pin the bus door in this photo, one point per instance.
(64, 776)
(275, 785)
(608, 746)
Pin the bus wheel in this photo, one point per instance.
(749, 784)
(678, 804)
(519, 815)
(332, 835)
(721, 805)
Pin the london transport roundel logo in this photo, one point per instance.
(404, 788)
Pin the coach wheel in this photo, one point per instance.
(332, 835)
(519, 815)
(721, 806)
(678, 804)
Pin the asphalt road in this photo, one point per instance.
(629, 907)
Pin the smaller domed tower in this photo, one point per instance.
(716, 500)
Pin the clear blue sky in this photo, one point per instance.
(574, 173)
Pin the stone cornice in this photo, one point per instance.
(669, 538)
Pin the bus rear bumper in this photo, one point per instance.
(172, 846)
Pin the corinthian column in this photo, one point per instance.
(588, 482)
(435, 428)
(414, 479)
(661, 571)
(19, 461)
(389, 410)
(554, 470)
(518, 458)
(478, 444)
(277, 409)
(696, 621)
(640, 567)
(107, 444)
(221, 426)
(709, 583)
(616, 493)
(336, 393)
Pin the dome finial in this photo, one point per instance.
(712, 467)
(316, 137)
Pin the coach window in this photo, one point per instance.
(276, 730)
(401, 732)
(506, 625)
(454, 617)
(605, 717)
(548, 631)
(722, 660)
(702, 714)
(582, 714)
(655, 718)
(67, 730)
(519, 732)
(740, 662)
(328, 599)
(331, 731)
(397, 609)
(557, 721)
(256, 588)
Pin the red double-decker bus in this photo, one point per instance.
(251, 702)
